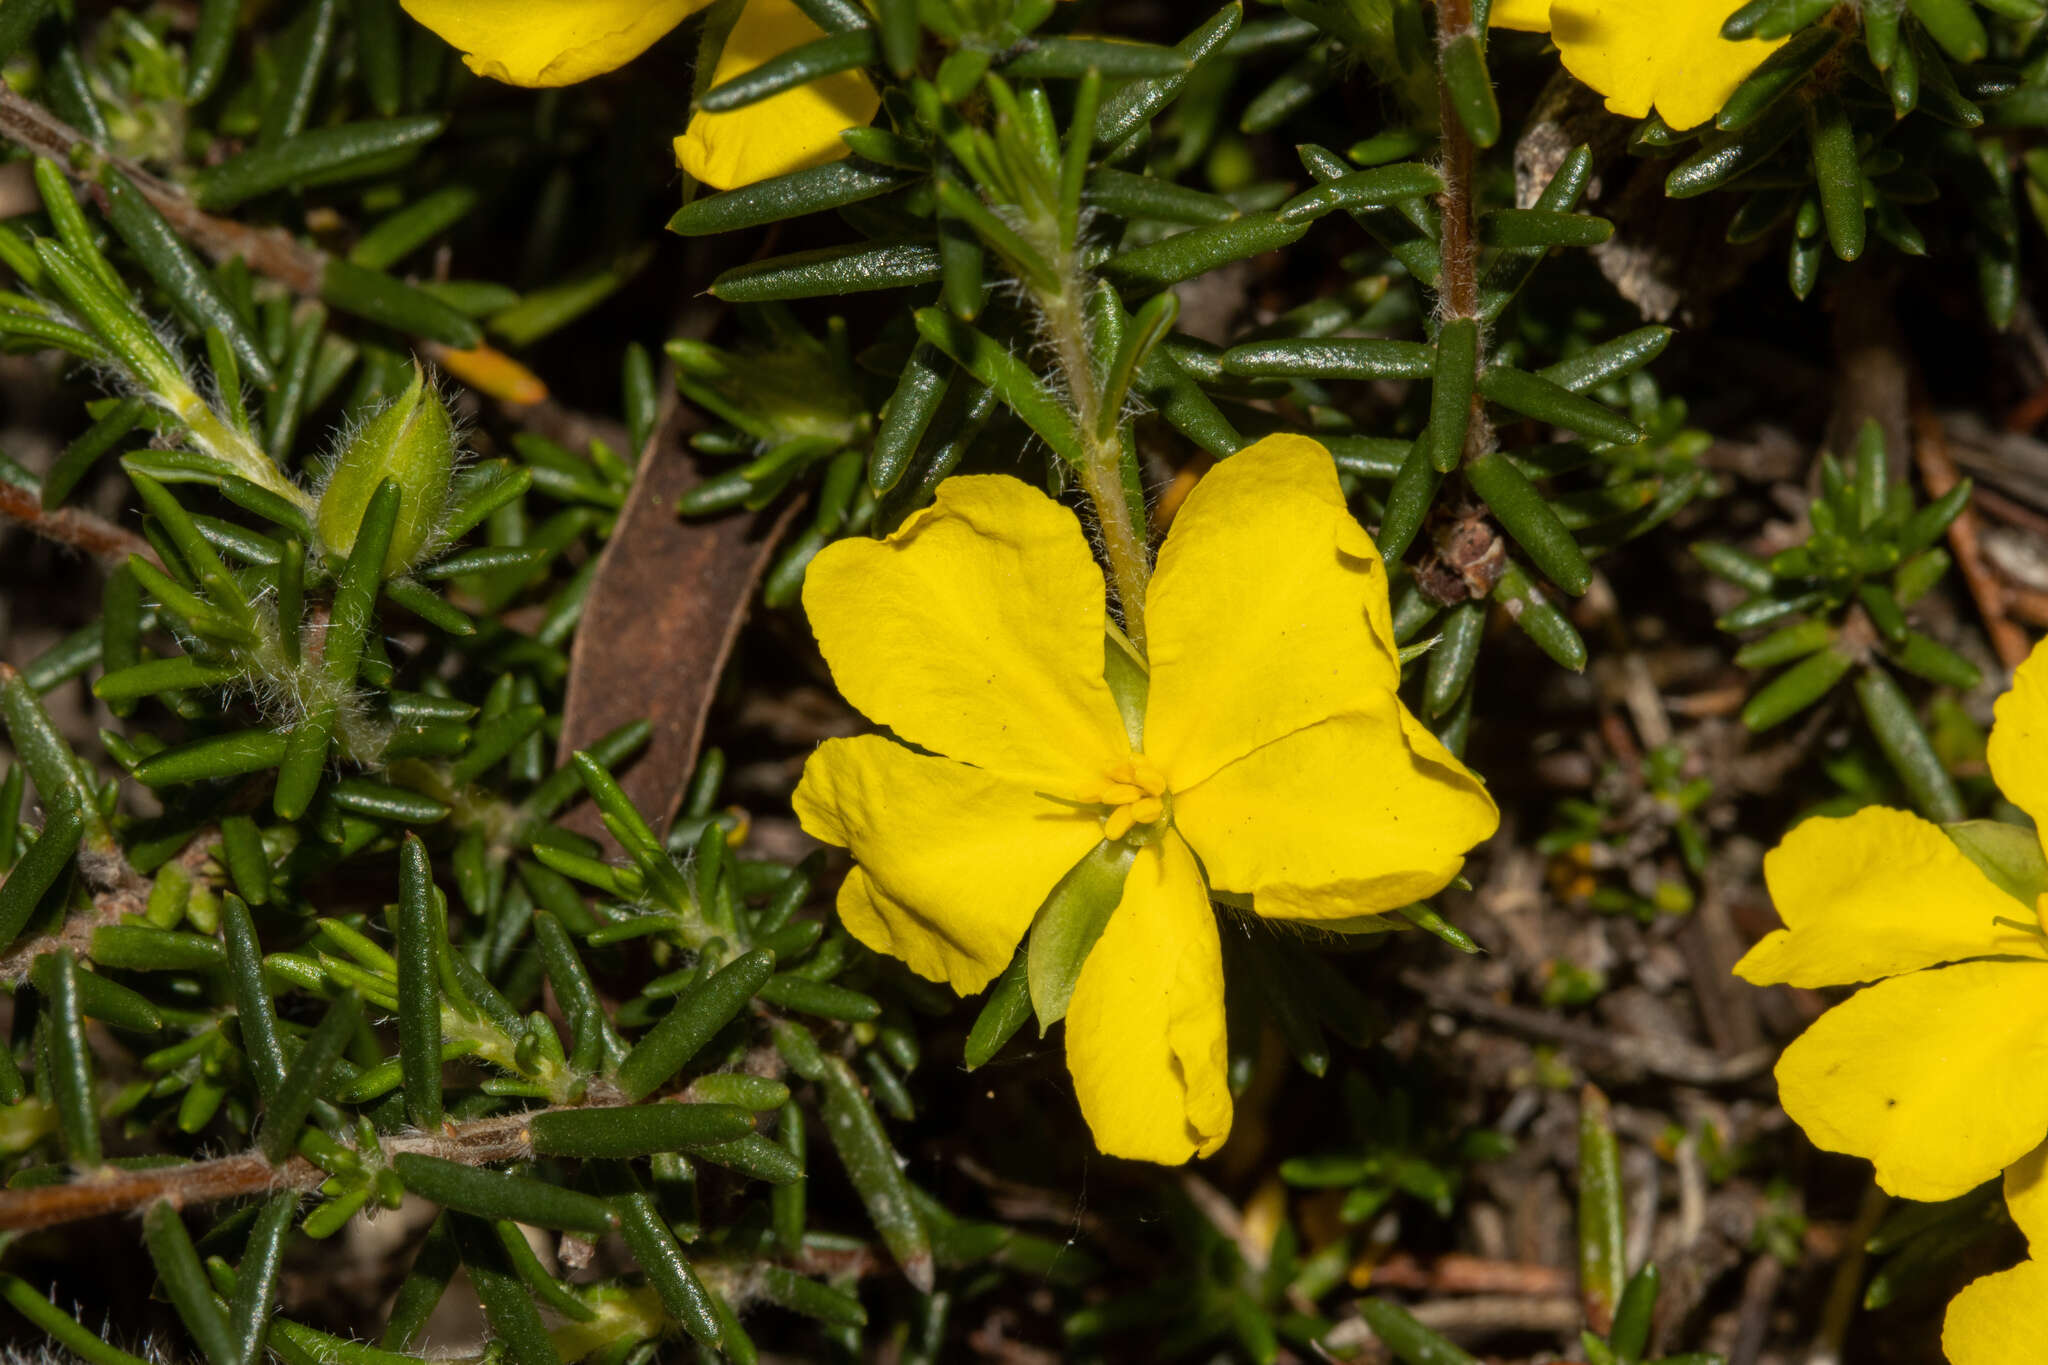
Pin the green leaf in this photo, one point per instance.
(877, 1176)
(1907, 747)
(1135, 103)
(185, 1284)
(1525, 515)
(1201, 250)
(833, 270)
(637, 1130)
(391, 302)
(307, 1077)
(1777, 75)
(1536, 397)
(501, 1194)
(798, 66)
(178, 271)
(1602, 1253)
(1007, 377)
(1469, 88)
(38, 870)
(702, 1011)
(1797, 688)
(59, 1325)
(508, 1305)
(1068, 924)
(1072, 58)
(647, 1236)
(321, 155)
(1408, 1339)
(1380, 187)
(1452, 376)
(1541, 229)
(1838, 174)
(1331, 359)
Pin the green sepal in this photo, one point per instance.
(1068, 924)
(2010, 855)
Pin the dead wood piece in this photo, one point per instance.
(663, 613)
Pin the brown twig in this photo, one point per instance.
(72, 526)
(268, 251)
(1458, 273)
(484, 1142)
(1938, 472)
(121, 891)
(1458, 282)
(1671, 1058)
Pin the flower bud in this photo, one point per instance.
(410, 442)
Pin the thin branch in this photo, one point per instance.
(268, 251)
(1458, 284)
(482, 1143)
(1458, 242)
(1671, 1058)
(1938, 471)
(118, 890)
(72, 526)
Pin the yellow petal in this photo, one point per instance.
(2018, 751)
(1530, 15)
(1878, 893)
(1267, 612)
(784, 132)
(1999, 1319)
(1356, 815)
(976, 632)
(1934, 1076)
(2026, 1197)
(1145, 1027)
(550, 42)
(1664, 53)
(953, 861)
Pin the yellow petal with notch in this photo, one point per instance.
(2018, 751)
(785, 132)
(1145, 1026)
(1662, 54)
(1353, 816)
(1999, 1319)
(2026, 1198)
(550, 42)
(1935, 1077)
(953, 861)
(1874, 894)
(975, 631)
(1267, 612)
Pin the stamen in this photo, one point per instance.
(1118, 824)
(1146, 811)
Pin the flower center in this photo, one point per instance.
(1139, 803)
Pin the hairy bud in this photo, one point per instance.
(410, 442)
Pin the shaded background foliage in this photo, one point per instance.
(1419, 1134)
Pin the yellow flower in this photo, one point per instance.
(2003, 1318)
(1272, 758)
(1934, 1073)
(560, 42)
(1644, 54)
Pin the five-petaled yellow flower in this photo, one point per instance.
(1643, 54)
(1272, 758)
(560, 42)
(1939, 1072)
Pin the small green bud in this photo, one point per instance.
(412, 443)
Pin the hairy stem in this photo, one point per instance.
(1101, 473)
(1458, 283)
